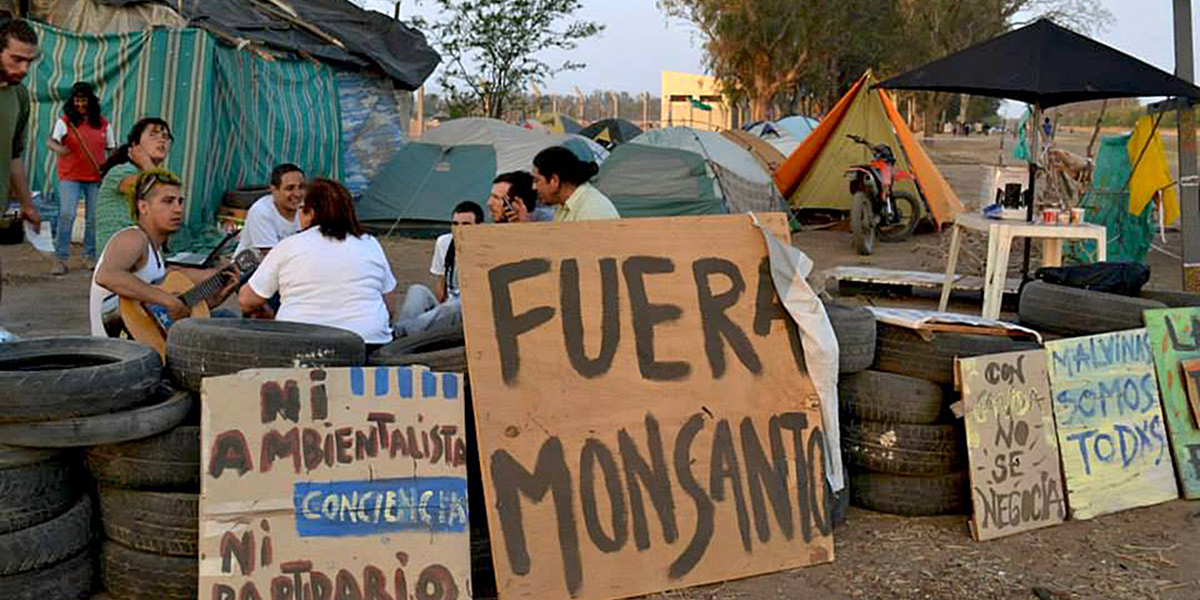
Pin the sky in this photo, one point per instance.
(640, 41)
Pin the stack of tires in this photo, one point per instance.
(1052, 308)
(854, 328)
(439, 350)
(57, 394)
(905, 452)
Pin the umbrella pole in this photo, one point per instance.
(1034, 150)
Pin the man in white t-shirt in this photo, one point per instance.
(274, 217)
(428, 310)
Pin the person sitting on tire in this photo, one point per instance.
(132, 260)
(425, 310)
(331, 273)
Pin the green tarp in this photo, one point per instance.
(1107, 204)
(423, 182)
(233, 114)
(654, 181)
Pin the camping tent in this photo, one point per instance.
(514, 146)
(745, 183)
(423, 182)
(558, 123)
(813, 176)
(611, 132)
(653, 181)
(767, 155)
(785, 134)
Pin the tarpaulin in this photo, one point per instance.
(1151, 173)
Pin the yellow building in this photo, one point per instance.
(681, 92)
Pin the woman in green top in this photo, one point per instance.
(146, 148)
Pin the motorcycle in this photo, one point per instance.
(877, 210)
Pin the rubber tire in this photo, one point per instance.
(199, 348)
(167, 462)
(945, 494)
(1172, 298)
(133, 575)
(165, 523)
(862, 226)
(903, 351)
(111, 428)
(915, 214)
(451, 360)
(428, 341)
(854, 328)
(1073, 311)
(70, 579)
(47, 543)
(130, 376)
(16, 456)
(903, 448)
(243, 199)
(879, 396)
(36, 493)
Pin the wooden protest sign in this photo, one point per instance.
(644, 420)
(1174, 339)
(1110, 425)
(1012, 448)
(322, 484)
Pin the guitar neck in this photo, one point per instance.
(204, 289)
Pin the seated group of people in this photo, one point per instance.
(317, 265)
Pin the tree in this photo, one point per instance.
(490, 47)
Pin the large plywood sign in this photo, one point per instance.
(1016, 482)
(331, 484)
(1175, 342)
(1110, 424)
(644, 418)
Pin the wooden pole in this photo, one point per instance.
(1034, 147)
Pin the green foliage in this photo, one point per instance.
(490, 48)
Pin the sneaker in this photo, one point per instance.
(89, 263)
(60, 268)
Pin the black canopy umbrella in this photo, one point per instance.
(1044, 65)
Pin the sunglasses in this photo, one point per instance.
(149, 182)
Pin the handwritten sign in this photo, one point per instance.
(1110, 425)
(1012, 447)
(331, 484)
(644, 419)
(1175, 338)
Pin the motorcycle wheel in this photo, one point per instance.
(910, 211)
(862, 224)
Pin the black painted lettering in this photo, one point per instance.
(1179, 345)
(724, 465)
(250, 592)
(768, 309)
(318, 398)
(646, 316)
(241, 549)
(550, 474)
(230, 451)
(718, 327)
(221, 591)
(375, 584)
(436, 583)
(572, 317)
(815, 484)
(277, 401)
(655, 478)
(704, 507)
(346, 586)
(276, 446)
(1194, 457)
(797, 423)
(510, 326)
(595, 452)
(760, 474)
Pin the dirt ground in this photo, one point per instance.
(1149, 553)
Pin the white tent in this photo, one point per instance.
(744, 183)
(785, 134)
(515, 146)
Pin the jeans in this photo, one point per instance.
(69, 193)
(420, 313)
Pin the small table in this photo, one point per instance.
(1000, 236)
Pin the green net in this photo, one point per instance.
(1021, 150)
(1107, 204)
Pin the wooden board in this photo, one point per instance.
(1012, 447)
(917, 279)
(629, 444)
(1110, 425)
(340, 483)
(1174, 338)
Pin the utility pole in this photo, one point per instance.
(616, 112)
(645, 110)
(581, 104)
(1189, 187)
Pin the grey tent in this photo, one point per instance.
(654, 181)
(422, 183)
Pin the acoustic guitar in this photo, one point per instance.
(149, 323)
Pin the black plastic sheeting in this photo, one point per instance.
(371, 39)
(1044, 64)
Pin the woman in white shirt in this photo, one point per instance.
(330, 273)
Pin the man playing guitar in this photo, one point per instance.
(132, 262)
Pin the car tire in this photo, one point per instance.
(879, 396)
(166, 462)
(1073, 311)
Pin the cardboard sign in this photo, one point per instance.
(336, 483)
(1175, 338)
(1016, 482)
(1110, 425)
(1191, 375)
(644, 420)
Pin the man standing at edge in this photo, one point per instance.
(18, 50)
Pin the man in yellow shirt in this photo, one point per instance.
(562, 181)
